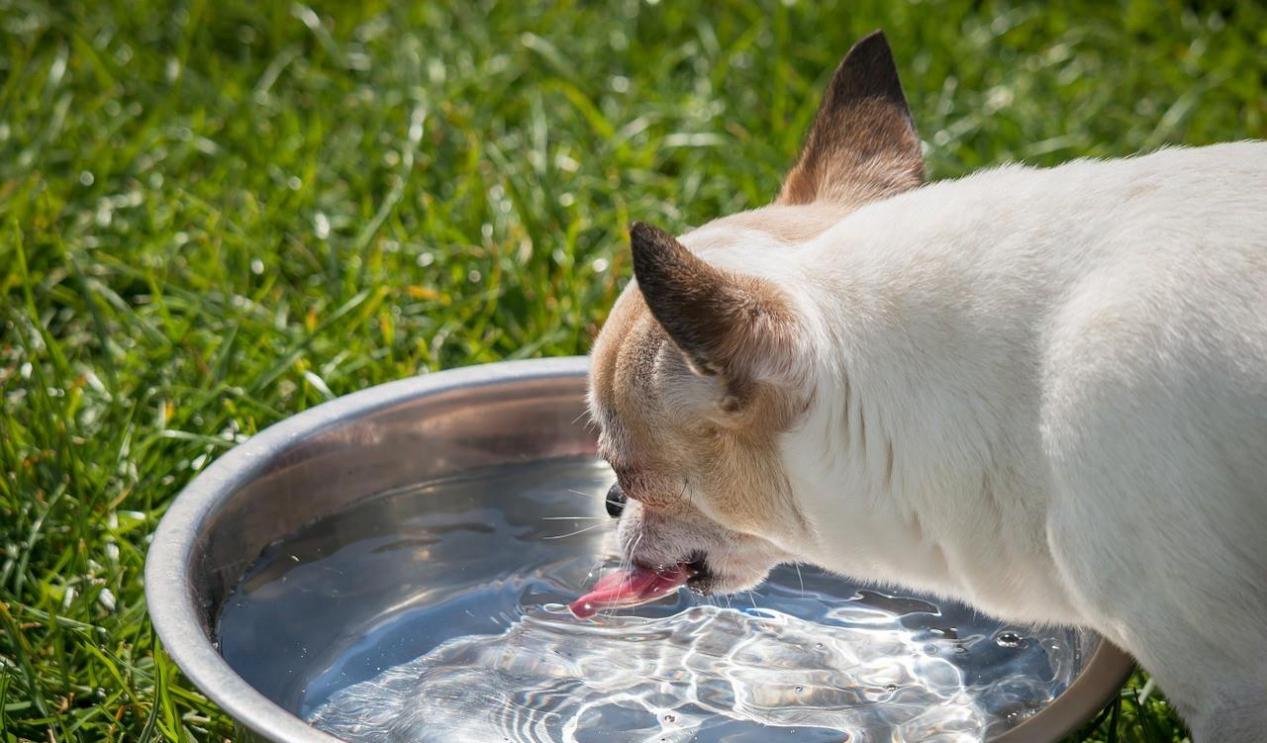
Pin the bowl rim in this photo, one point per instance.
(172, 603)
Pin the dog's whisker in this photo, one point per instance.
(591, 527)
(626, 559)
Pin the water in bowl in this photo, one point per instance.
(437, 614)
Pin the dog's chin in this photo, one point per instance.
(710, 579)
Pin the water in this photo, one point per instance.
(437, 614)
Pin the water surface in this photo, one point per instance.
(437, 614)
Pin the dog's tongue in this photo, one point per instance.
(629, 588)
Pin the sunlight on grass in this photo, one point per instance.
(215, 214)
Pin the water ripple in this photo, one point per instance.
(695, 673)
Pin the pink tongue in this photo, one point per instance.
(629, 588)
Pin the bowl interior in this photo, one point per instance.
(333, 462)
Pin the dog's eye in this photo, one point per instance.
(618, 466)
(608, 454)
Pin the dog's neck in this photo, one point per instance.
(923, 446)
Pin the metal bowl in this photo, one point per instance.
(388, 437)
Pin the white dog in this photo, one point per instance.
(1039, 391)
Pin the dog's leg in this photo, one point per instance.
(1204, 654)
(1238, 714)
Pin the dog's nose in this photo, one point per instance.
(615, 500)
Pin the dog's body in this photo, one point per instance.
(1043, 392)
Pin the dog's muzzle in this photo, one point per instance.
(615, 501)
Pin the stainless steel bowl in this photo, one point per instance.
(323, 460)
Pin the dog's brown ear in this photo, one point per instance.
(737, 327)
(862, 145)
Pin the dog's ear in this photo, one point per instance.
(737, 328)
(862, 145)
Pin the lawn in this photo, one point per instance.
(214, 214)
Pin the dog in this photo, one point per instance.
(1042, 392)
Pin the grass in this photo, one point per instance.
(216, 214)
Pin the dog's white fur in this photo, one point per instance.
(1039, 391)
(1070, 366)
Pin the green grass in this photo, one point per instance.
(216, 213)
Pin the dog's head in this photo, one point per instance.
(703, 362)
